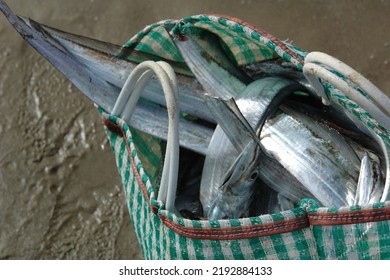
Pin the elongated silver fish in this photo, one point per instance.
(213, 76)
(324, 173)
(317, 156)
(234, 198)
(326, 167)
(363, 139)
(219, 82)
(229, 116)
(222, 170)
(273, 174)
(94, 68)
(370, 185)
(235, 194)
(230, 119)
(207, 67)
(99, 73)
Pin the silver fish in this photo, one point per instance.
(325, 167)
(229, 118)
(273, 174)
(96, 70)
(233, 122)
(99, 73)
(234, 198)
(259, 99)
(211, 70)
(370, 185)
(217, 160)
(382, 142)
(316, 155)
(360, 138)
(235, 194)
(278, 68)
(213, 77)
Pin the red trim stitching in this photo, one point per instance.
(352, 217)
(243, 232)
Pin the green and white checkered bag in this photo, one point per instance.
(306, 232)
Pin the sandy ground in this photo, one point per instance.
(60, 194)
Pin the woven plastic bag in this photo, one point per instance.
(306, 232)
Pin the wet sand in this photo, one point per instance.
(60, 193)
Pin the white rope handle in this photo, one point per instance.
(125, 106)
(377, 105)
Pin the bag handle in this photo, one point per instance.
(126, 104)
(318, 65)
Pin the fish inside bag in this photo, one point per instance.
(234, 144)
(282, 161)
(279, 134)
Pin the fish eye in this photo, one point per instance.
(254, 176)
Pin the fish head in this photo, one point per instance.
(236, 191)
(243, 172)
